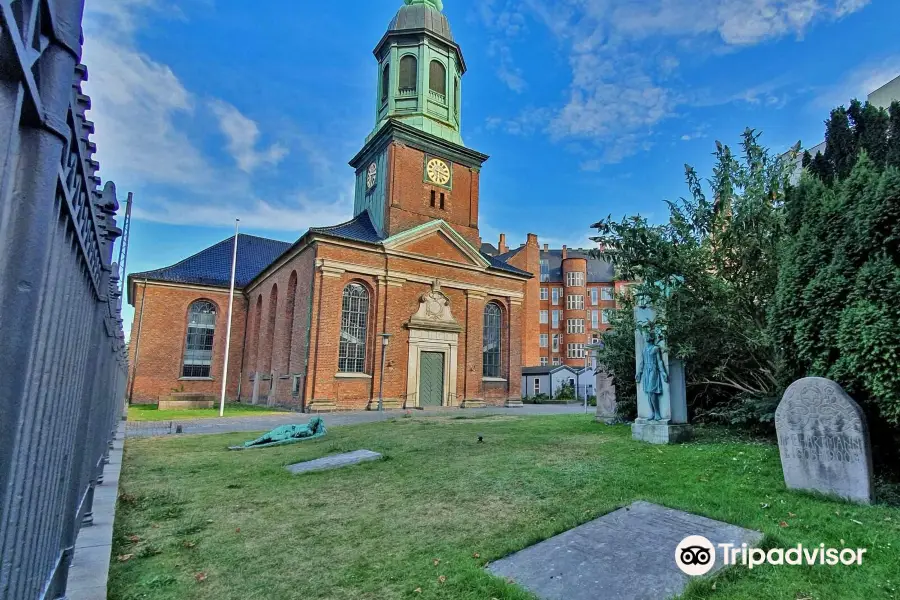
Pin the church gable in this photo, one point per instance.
(436, 240)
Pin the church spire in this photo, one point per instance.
(420, 68)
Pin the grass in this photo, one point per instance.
(201, 522)
(149, 412)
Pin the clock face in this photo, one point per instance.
(370, 175)
(438, 171)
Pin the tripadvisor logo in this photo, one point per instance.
(695, 555)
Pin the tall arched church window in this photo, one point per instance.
(408, 74)
(437, 78)
(201, 330)
(491, 340)
(354, 329)
(385, 83)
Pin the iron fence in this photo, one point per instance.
(62, 354)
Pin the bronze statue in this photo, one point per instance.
(651, 373)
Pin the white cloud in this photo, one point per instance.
(859, 83)
(243, 135)
(150, 128)
(622, 66)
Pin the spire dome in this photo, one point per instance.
(422, 15)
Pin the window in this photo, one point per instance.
(544, 340)
(595, 339)
(606, 316)
(575, 302)
(385, 84)
(201, 330)
(574, 279)
(543, 361)
(409, 68)
(594, 299)
(555, 296)
(575, 351)
(545, 294)
(433, 196)
(556, 314)
(574, 325)
(437, 78)
(595, 315)
(545, 270)
(354, 326)
(556, 361)
(544, 317)
(491, 340)
(606, 293)
(442, 200)
(537, 386)
(556, 342)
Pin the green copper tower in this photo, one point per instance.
(420, 68)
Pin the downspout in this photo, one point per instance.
(137, 343)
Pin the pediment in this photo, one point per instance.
(436, 240)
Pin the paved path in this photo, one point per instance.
(265, 423)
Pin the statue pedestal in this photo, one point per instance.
(660, 432)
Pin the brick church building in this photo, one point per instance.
(407, 283)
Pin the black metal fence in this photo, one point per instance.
(62, 353)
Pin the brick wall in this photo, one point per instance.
(529, 259)
(160, 338)
(409, 196)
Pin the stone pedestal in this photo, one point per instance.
(660, 432)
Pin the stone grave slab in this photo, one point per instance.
(335, 461)
(628, 554)
(823, 439)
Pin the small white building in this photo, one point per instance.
(549, 380)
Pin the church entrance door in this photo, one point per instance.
(431, 379)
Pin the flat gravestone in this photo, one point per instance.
(628, 554)
(823, 440)
(335, 461)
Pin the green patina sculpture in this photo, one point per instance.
(438, 4)
(286, 434)
(651, 373)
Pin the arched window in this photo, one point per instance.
(437, 78)
(354, 328)
(290, 302)
(385, 83)
(200, 332)
(456, 97)
(408, 73)
(491, 340)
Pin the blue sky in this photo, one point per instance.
(214, 109)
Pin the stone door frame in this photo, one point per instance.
(444, 342)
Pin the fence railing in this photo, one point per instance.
(62, 355)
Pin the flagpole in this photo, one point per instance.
(228, 328)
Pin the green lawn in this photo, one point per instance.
(149, 412)
(197, 521)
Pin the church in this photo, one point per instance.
(403, 303)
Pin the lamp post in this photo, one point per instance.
(588, 349)
(385, 339)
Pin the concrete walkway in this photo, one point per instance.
(264, 423)
(93, 546)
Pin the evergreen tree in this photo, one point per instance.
(840, 146)
(893, 153)
(870, 128)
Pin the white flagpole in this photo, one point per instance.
(228, 328)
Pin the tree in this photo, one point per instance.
(840, 143)
(726, 252)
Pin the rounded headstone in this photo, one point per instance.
(823, 440)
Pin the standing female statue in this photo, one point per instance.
(651, 373)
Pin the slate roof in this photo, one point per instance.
(598, 271)
(488, 249)
(212, 266)
(421, 16)
(503, 266)
(358, 229)
(547, 369)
